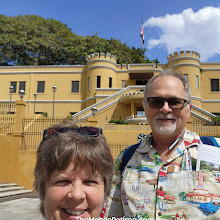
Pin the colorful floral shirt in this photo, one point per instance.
(151, 188)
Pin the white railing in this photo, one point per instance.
(105, 103)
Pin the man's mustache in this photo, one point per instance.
(168, 116)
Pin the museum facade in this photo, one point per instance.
(107, 89)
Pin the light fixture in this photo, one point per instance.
(54, 90)
(35, 98)
(94, 110)
(11, 88)
(21, 94)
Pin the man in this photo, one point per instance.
(159, 180)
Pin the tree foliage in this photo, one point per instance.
(216, 120)
(33, 40)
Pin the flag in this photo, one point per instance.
(142, 35)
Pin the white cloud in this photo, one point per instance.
(189, 30)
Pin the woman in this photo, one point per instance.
(73, 172)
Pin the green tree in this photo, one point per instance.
(33, 40)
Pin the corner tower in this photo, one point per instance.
(188, 64)
(101, 72)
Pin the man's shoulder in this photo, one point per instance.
(208, 140)
(191, 138)
(133, 147)
(191, 133)
(126, 155)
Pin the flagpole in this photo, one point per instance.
(142, 45)
(142, 35)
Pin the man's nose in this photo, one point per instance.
(165, 108)
(76, 191)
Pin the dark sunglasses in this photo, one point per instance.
(86, 130)
(173, 103)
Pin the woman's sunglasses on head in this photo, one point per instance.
(86, 130)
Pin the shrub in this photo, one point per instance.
(118, 121)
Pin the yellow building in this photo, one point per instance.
(115, 91)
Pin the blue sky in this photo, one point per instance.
(165, 22)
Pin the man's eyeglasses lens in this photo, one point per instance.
(174, 103)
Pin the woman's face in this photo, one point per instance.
(73, 193)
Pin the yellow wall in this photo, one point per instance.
(207, 94)
(16, 166)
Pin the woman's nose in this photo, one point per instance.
(76, 191)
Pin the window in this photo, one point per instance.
(140, 112)
(75, 87)
(14, 84)
(110, 82)
(215, 85)
(141, 82)
(123, 85)
(22, 85)
(185, 76)
(197, 82)
(89, 83)
(98, 81)
(40, 86)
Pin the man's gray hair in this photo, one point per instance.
(169, 72)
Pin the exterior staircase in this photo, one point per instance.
(9, 191)
(106, 103)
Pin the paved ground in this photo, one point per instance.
(20, 209)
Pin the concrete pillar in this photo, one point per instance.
(19, 116)
(132, 108)
(93, 121)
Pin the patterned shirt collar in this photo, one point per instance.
(188, 140)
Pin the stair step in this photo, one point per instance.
(7, 184)
(15, 192)
(6, 189)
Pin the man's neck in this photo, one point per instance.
(162, 143)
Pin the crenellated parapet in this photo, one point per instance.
(184, 59)
(183, 54)
(187, 63)
(101, 57)
(101, 72)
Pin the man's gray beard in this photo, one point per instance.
(165, 128)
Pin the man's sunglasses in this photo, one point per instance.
(173, 103)
(86, 130)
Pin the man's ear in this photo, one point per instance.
(190, 107)
(144, 104)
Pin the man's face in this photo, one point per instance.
(167, 121)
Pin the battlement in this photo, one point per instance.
(182, 54)
(101, 56)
